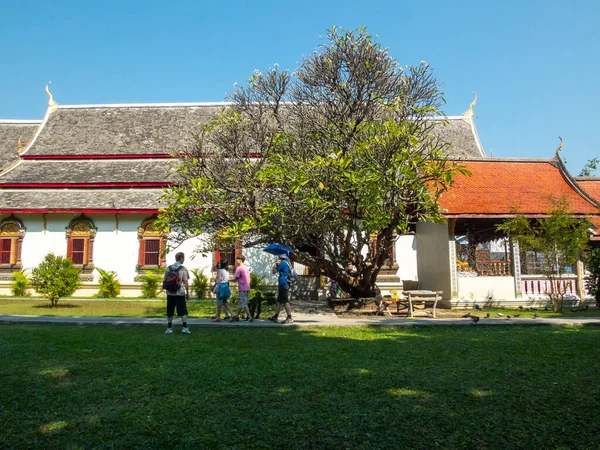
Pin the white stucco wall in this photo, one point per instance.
(406, 257)
(482, 288)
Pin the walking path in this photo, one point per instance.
(318, 319)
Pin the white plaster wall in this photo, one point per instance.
(478, 288)
(406, 257)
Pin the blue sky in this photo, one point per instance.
(533, 64)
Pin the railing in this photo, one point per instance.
(539, 285)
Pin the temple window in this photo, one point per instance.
(227, 253)
(152, 242)
(12, 232)
(81, 233)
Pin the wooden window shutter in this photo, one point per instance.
(5, 248)
(86, 255)
(142, 253)
(217, 254)
(70, 249)
(14, 250)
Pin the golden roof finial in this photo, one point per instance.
(51, 102)
(469, 112)
(20, 145)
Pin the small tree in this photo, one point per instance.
(562, 239)
(21, 284)
(592, 279)
(109, 285)
(55, 277)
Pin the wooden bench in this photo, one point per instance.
(415, 298)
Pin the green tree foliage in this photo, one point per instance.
(55, 277)
(200, 283)
(561, 237)
(321, 159)
(590, 168)
(21, 284)
(151, 283)
(592, 279)
(109, 286)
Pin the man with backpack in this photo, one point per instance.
(283, 267)
(175, 282)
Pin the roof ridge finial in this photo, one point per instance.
(559, 148)
(468, 114)
(51, 102)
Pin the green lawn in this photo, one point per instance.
(109, 308)
(66, 386)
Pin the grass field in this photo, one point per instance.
(200, 309)
(65, 386)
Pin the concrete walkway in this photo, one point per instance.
(303, 320)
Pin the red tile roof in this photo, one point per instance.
(498, 187)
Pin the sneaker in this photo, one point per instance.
(274, 319)
(250, 319)
(186, 331)
(169, 331)
(288, 320)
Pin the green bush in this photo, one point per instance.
(200, 283)
(109, 285)
(151, 283)
(20, 285)
(55, 277)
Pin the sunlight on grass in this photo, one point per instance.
(480, 393)
(53, 427)
(54, 372)
(402, 392)
(364, 371)
(284, 390)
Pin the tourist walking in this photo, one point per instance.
(223, 292)
(282, 267)
(242, 275)
(176, 284)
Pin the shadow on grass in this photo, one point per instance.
(57, 307)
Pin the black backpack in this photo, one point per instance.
(171, 282)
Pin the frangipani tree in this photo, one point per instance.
(327, 160)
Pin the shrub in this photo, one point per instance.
(200, 283)
(20, 285)
(151, 283)
(109, 285)
(55, 277)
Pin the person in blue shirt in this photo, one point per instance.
(282, 267)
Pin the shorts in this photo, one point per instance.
(243, 299)
(176, 301)
(223, 294)
(283, 294)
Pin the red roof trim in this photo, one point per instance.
(103, 156)
(78, 210)
(86, 185)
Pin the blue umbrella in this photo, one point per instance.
(278, 250)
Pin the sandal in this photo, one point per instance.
(216, 319)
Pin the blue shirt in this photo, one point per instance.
(284, 269)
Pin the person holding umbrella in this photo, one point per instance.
(282, 267)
